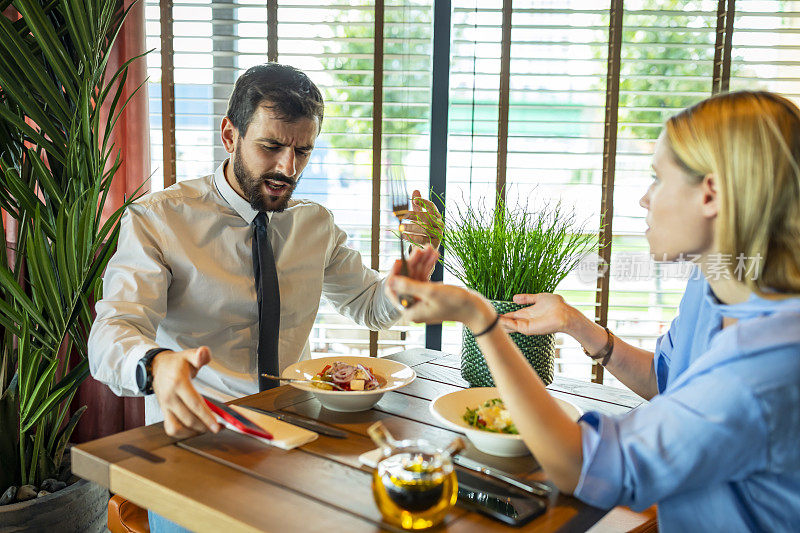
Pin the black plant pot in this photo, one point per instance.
(539, 350)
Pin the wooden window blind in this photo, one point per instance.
(542, 100)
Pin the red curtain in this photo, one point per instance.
(9, 223)
(108, 413)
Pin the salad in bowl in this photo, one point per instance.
(480, 414)
(364, 380)
(491, 415)
(348, 377)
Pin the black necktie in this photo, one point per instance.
(269, 302)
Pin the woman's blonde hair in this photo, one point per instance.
(750, 142)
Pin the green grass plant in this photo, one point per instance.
(512, 251)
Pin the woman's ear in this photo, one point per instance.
(710, 200)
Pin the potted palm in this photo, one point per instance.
(56, 167)
(507, 252)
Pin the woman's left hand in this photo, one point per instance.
(437, 302)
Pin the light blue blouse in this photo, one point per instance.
(719, 447)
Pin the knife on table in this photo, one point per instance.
(305, 423)
(534, 487)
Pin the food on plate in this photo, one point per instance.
(349, 377)
(492, 416)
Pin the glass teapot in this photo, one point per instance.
(414, 484)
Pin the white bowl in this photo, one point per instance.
(450, 408)
(396, 374)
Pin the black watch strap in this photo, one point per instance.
(144, 370)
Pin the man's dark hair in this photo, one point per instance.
(289, 93)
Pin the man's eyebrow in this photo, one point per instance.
(269, 140)
(278, 143)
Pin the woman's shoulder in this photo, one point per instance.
(768, 333)
(768, 365)
(763, 352)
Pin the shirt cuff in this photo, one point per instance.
(600, 483)
(390, 308)
(129, 365)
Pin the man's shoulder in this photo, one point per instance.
(179, 193)
(309, 208)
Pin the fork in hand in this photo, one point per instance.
(399, 198)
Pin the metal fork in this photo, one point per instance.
(398, 195)
(309, 381)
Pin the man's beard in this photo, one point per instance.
(252, 187)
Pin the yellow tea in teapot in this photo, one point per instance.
(414, 490)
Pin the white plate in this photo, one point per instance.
(449, 409)
(396, 375)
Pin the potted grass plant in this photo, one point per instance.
(511, 251)
(58, 108)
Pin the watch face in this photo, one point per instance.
(141, 376)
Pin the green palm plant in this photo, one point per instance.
(57, 161)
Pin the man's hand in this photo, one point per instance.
(185, 411)
(426, 223)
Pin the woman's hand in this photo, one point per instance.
(547, 313)
(437, 302)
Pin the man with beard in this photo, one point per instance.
(180, 311)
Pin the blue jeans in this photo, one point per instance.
(159, 524)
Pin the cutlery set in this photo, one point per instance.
(533, 487)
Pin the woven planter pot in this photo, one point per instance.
(539, 350)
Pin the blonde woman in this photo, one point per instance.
(718, 445)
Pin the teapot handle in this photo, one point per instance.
(381, 437)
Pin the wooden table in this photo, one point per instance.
(229, 482)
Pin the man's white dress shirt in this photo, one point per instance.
(182, 277)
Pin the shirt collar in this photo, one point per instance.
(237, 203)
(753, 307)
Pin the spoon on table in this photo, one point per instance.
(309, 381)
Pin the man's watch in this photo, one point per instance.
(144, 370)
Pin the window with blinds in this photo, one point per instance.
(766, 47)
(473, 110)
(215, 42)
(556, 108)
(334, 45)
(197, 56)
(667, 63)
(559, 98)
(555, 137)
(405, 139)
